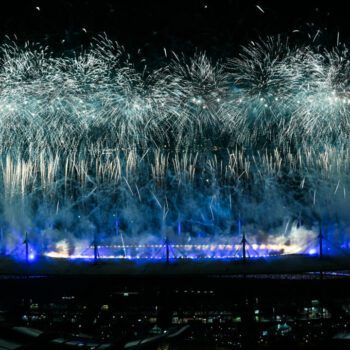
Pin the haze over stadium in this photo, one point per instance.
(97, 147)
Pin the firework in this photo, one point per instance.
(90, 140)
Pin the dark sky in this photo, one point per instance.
(181, 25)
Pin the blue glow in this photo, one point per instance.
(312, 251)
(31, 256)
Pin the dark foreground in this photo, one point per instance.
(213, 311)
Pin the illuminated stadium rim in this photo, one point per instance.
(180, 251)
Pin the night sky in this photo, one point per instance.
(218, 26)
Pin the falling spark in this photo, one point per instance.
(336, 189)
(260, 9)
(316, 35)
